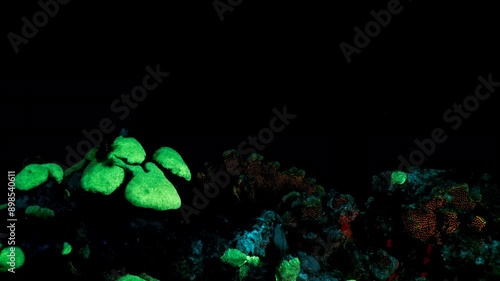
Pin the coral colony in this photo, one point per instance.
(134, 215)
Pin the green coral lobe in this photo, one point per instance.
(129, 149)
(234, 257)
(169, 159)
(66, 250)
(99, 178)
(253, 260)
(32, 176)
(398, 177)
(288, 270)
(55, 171)
(39, 212)
(152, 190)
(5, 258)
(244, 271)
(130, 277)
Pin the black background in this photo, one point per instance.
(226, 78)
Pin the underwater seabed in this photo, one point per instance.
(127, 214)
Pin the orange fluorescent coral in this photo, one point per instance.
(478, 222)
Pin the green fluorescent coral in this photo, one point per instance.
(169, 159)
(148, 188)
(398, 177)
(39, 212)
(152, 190)
(128, 149)
(31, 176)
(55, 171)
(234, 257)
(244, 271)
(35, 175)
(66, 250)
(100, 178)
(11, 259)
(253, 260)
(288, 270)
(130, 277)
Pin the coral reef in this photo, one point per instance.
(105, 219)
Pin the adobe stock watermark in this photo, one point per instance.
(454, 117)
(221, 180)
(222, 7)
(40, 19)
(121, 107)
(372, 29)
